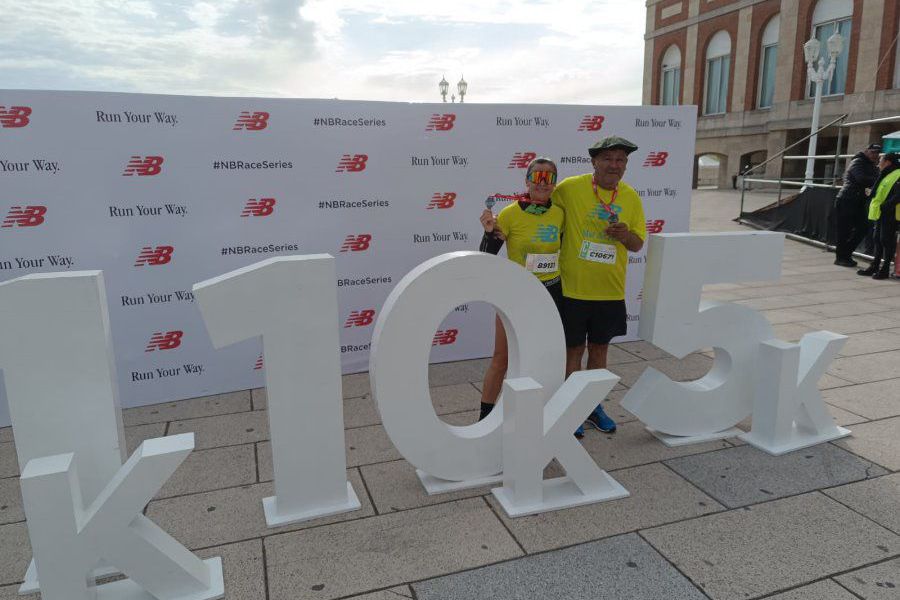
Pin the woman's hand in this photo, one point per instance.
(488, 221)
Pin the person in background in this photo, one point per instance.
(531, 227)
(850, 206)
(882, 212)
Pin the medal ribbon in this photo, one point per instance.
(612, 200)
(533, 207)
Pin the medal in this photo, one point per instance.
(490, 201)
(613, 217)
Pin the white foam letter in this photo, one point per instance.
(788, 412)
(398, 366)
(534, 434)
(58, 366)
(291, 302)
(674, 318)
(69, 540)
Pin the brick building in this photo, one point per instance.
(741, 62)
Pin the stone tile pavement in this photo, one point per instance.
(718, 520)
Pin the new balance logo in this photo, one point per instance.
(251, 121)
(442, 201)
(601, 212)
(259, 208)
(656, 159)
(591, 123)
(356, 243)
(520, 160)
(444, 337)
(14, 116)
(360, 318)
(655, 226)
(29, 216)
(546, 234)
(440, 122)
(151, 256)
(164, 341)
(259, 363)
(143, 166)
(352, 164)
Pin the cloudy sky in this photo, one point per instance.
(559, 51)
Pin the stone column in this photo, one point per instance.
(649, 67)
(741, 60)
(691, 70)
(784, 74)
(859, 138)
(775, 143)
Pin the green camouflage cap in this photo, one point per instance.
(612, 142)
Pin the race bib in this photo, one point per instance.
(601, 253)
(542, 263)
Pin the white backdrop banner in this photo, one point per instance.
(161, 192)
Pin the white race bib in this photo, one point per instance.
(542, 263)
(601, 253)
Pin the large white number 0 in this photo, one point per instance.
(400, 348)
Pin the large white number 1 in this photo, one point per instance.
(292, 303)
(674, 319)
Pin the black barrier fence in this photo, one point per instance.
(809, 214)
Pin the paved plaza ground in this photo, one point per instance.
(718, 520)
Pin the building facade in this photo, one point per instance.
(741, 62)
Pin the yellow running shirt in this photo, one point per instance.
(533, 240)
(592, 264)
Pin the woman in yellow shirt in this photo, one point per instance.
(531, 228)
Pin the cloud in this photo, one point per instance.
(565, 51)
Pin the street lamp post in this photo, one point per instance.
(818, 74)
(444, 86)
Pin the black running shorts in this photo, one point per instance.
(597, 320)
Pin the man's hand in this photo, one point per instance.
(618, 231)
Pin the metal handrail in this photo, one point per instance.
(797, 183)
(779, 154)
(820, 156)
(871, 121)
(782, 181)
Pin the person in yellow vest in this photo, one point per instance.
(882, 210)
(531, 227)
(604, 221)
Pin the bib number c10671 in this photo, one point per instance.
(601, 253)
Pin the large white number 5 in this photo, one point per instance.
(674, 319)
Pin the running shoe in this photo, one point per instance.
(601, 420)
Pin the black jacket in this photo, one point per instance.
(861, 174)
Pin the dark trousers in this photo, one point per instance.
(851, 223)
(885, 239)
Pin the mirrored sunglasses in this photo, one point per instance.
(542, 177)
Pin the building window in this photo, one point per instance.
(670, 86)
(718, 59)
(832, 16)
(768, 62)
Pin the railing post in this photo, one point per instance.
(837, 154)
(743, 187)
(780, 178)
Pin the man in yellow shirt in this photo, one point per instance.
(604, 221)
